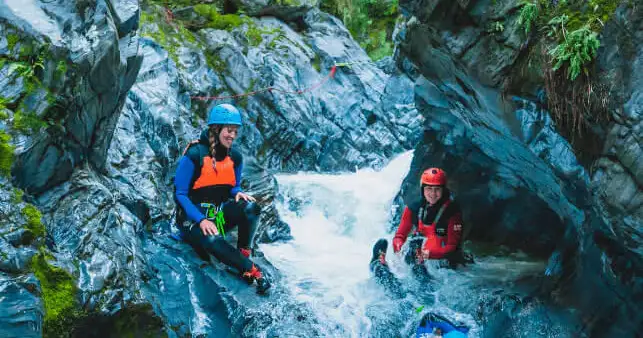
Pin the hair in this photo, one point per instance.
(213, 138)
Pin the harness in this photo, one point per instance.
(214, 213)
(422, 212)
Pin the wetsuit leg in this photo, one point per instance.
(381, 271)
(219, 248)
(411, 258)
(244, 215)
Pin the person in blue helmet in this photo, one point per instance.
(210, 199)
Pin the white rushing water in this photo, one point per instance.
(335, 220)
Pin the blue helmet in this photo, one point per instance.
(224, 114)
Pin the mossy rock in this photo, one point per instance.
(6, 154)
(34, 222)
(58, 295)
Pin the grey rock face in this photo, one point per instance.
(618, 174)
(523, 178)
(104, 180)
(21, 309)
(482, 35)
(100, 63)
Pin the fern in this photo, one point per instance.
(558, 22)
(578, 49)
(528, 15)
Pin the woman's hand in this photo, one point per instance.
(208, 228)
(245, 197)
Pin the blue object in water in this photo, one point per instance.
(431, 322)
(176, 236)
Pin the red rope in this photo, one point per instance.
(330, 75)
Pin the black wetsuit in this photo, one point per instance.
(197, 182)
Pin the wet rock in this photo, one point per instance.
(532, 166)
(21, 309)
(98, 74)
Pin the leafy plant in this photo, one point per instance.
(528, 15)
(370, 22)
(579, 48)
(557, 25)
(497, 27)
(6, 154)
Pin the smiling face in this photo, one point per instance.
(228, 134)
(432, 193)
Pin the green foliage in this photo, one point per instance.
(579, 48)
(170, 36)
(378, 45)
(6, 154)
(216, 20)
(58, 294)
(289, 2)
(27, 122)
(215, 62)
(3, 106)
(16, 197)
(528, 15)
(34, 223)
(61, 70)
(371, 22)
(316, 63)
(254, 35)
(12, 40)
(497, 27)
(583, 18)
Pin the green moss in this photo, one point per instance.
(316, 63)
(27, 122)
(217, 20)
(34, 223)
(3, 106)
(26, 49)
(254, 35)
(214, 62)
(277, 35)
(371, 22)
(61, 70)
(6, 154)
(17, 196)
(288, 2)
(12, 40)
(58, 291)
(171, 37)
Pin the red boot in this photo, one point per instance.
(255, 275)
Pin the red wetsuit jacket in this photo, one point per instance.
(441, 238)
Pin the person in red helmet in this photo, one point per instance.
(435, 225)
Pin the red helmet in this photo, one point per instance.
(434, 176)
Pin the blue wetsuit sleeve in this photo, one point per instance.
(182, 179)
(237, 174)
